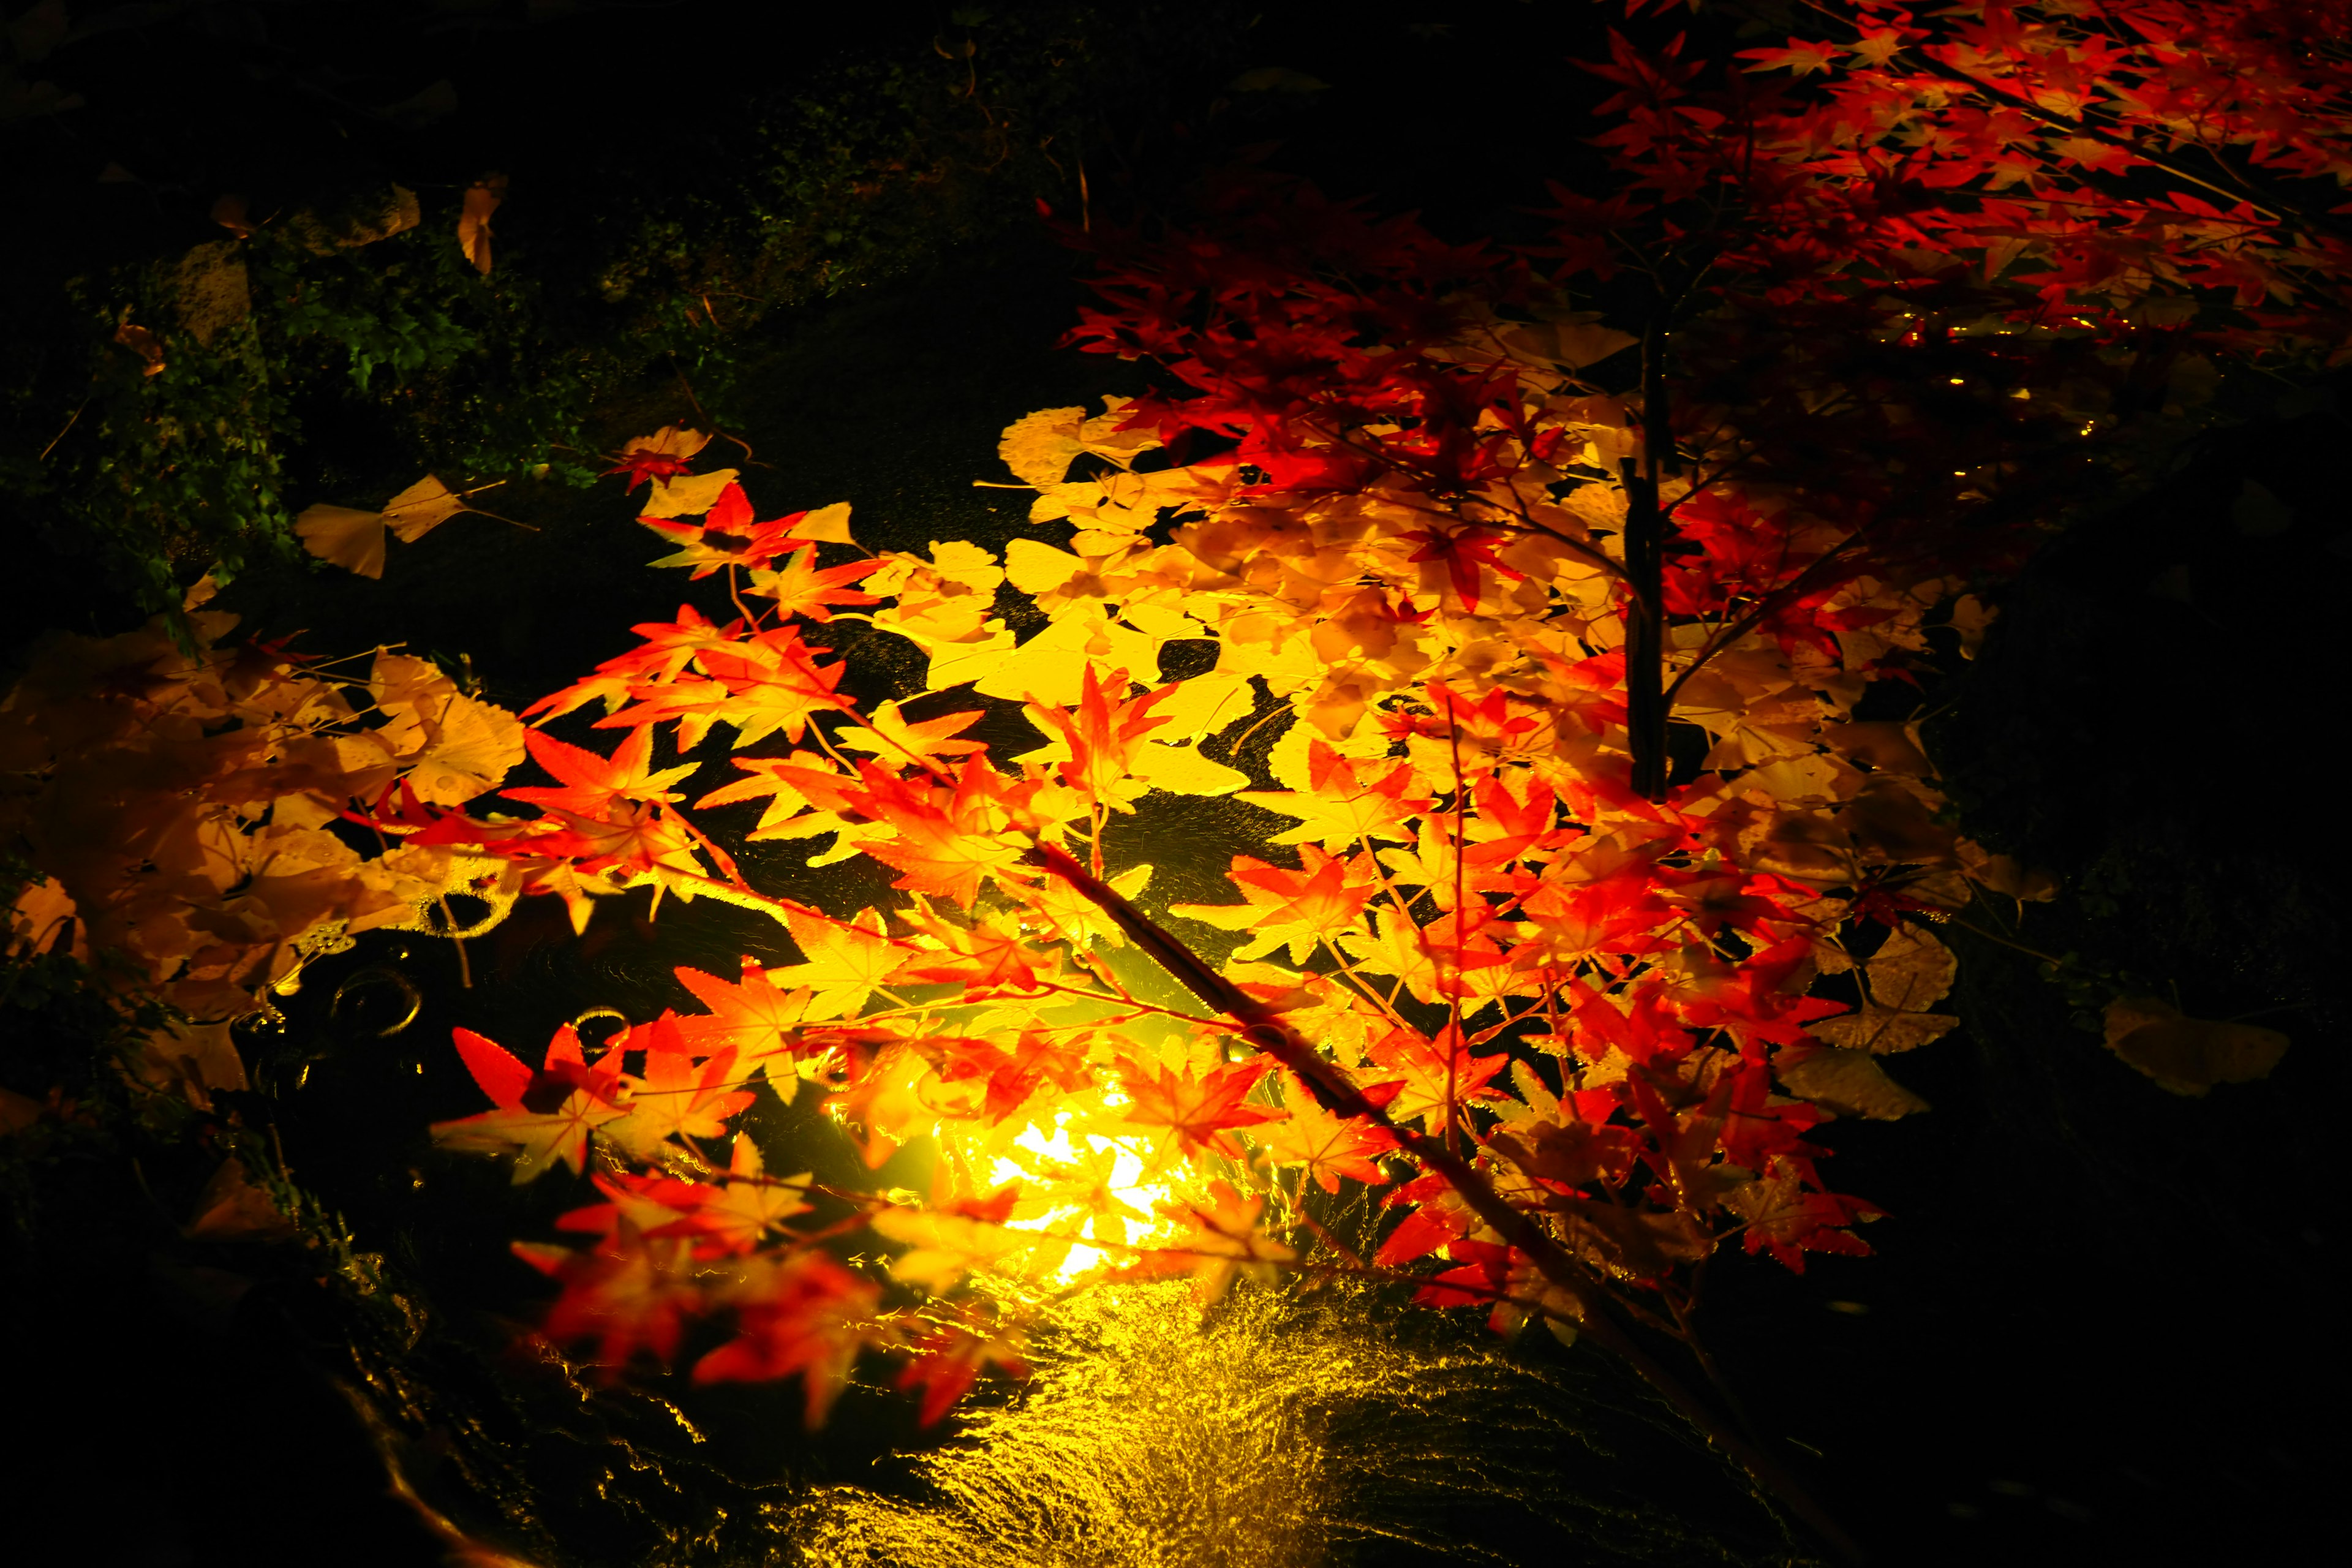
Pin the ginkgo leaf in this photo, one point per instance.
(688, 495)
(1883, 1031)
(344, 536)
(1203, 705)
(1911, 970)
(354, 539)
(483, 197)
(1848, 1082)
(420, 507)
(1052, 665)
(1184, 770)
(825, 525)
(1035, 568)
(1038, 448)
(2188, 1055)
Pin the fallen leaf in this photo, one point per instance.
(2188, 1055)
(825, 525)
(482, 199)
(420, 507)
(232, 1208)
(353, 539)
(143, 343)
(344, 536)
(1849, 1083)
(1038, 448)
(688, 495)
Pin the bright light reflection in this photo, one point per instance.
(1123, 1209)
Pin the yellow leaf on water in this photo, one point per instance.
(420, 507)
(353, 539)
(2188, 1055)
(1849, 1083)
(1183, 770)
(1038, 447)
(1911, 970)
(688, 495)
(1883, 1031)
(346, 536)
(1035, 568)
(825, 525)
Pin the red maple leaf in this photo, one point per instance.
(543, 1117)
(805, 1316)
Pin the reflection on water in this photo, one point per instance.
(1276, 1432)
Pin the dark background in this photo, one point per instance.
(2096, 1329)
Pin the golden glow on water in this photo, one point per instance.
(1281, 1430)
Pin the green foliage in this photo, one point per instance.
(330, 354)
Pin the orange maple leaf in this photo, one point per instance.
(591, 782)
(753, 1018)
(801, 587)
(1297, 909)
(1101, 735)
(1198, 1111)
(1435, 1076)
(1326, 1146)
(943, 841)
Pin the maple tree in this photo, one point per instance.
(1472, 555)
(1550, 997)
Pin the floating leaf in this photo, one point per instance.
(2188, 1055)
(483, 197)
(1849, 1083)
(344, 536)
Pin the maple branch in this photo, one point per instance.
(1774, 600)
(1265, 1030)
(2297, 212)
